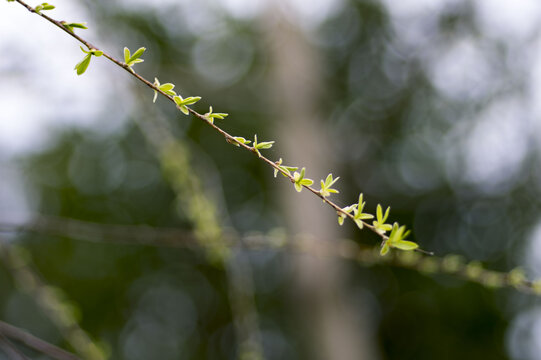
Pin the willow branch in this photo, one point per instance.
(228, 137)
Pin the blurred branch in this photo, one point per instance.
(94, 232)
(296, 179)
(10, 350)
(51, 300)
(31, 341)
(341, 248)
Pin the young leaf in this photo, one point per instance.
(156, 83)
(210, 116)
(167, 88)
(190, 100)
(300, 181)
(358, 215)
(347, 209)
(396, 239)
(259, 146)
(43, 6)
(326, 188)
(130, 59)
(285, 169)
(238, 139)
(379, 224)
(83, 65)
(384, 249)
(71, 26)
(127, 54)
(137, 54)
(182, 103)
(264, 145)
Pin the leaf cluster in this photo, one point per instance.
(71, 25)
(130, 59)
(43, 6)
(83, 64)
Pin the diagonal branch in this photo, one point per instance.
(228, 137)
(33, 342)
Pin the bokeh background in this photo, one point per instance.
(427, 106)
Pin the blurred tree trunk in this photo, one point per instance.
(330, 322)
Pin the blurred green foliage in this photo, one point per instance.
(390, 129)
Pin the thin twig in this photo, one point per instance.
(228, 137)
(35, 343)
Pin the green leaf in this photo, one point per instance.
(405, 245)
(396, 238)
(166, 87)
(78, 25)
(239, 139)
(43, 6)
(278, 163)
(184, 109)
(71, 26)
(191, 100)
(264, 145)
(83, 65)
(137, 54)
(127, 55)
(182, 103)
(326, 189)
(384, 249)
(156, 84)
(299, 180)
(285, 169)
(379, 224)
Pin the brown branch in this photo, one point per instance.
(35, 343)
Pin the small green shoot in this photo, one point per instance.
(43, 6)
(358, 215)
(285, 169)
(347, 210)
(71, 26)
(261, 145)
(326, 186)
(182, 104)
(396, 240)
(300, 180)
(166, 88)
(237, 140)
(130, 59)
(379, 224)
(83, 64)
(210, 116)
